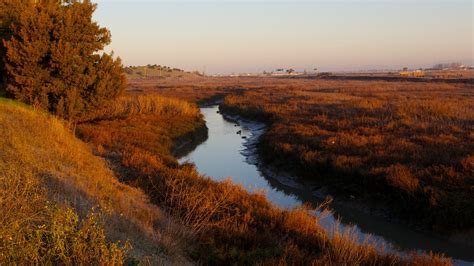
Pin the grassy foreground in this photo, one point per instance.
(60, 204)
(227, 224)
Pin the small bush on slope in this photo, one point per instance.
(49, 183)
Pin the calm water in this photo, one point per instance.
(225, 155)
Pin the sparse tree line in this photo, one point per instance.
(51, 56)
(139, 70)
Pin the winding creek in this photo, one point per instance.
(226, 154)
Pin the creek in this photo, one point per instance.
(230, 152)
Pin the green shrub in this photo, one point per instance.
(58, 237)
(51, 56)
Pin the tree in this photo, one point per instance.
(289, 71)
(52, 57)
(7, 9)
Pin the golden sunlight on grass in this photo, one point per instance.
(405, 143)
(126, 106)
(51, 183)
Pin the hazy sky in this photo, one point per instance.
(250, 36)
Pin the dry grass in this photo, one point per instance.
(125, 106)
(51, 181)
(354, 135)
(229, 225)
(402, 142)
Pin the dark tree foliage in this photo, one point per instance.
(6, 11)
(52, 56)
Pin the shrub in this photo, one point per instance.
(51, 55)
(400, 177)
(58, 237)
(468, 163)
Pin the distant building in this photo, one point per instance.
(288, 74)
(416, 73)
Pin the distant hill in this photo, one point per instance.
(157, 71)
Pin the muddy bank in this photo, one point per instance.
(185, 144)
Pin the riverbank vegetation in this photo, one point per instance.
(408, 144)
(228, 224)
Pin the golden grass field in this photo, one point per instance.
(407, 143)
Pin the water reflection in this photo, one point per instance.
(225, 155)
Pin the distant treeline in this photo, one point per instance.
(157, 71)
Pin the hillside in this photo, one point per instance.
(62, 204)
(157, 71)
